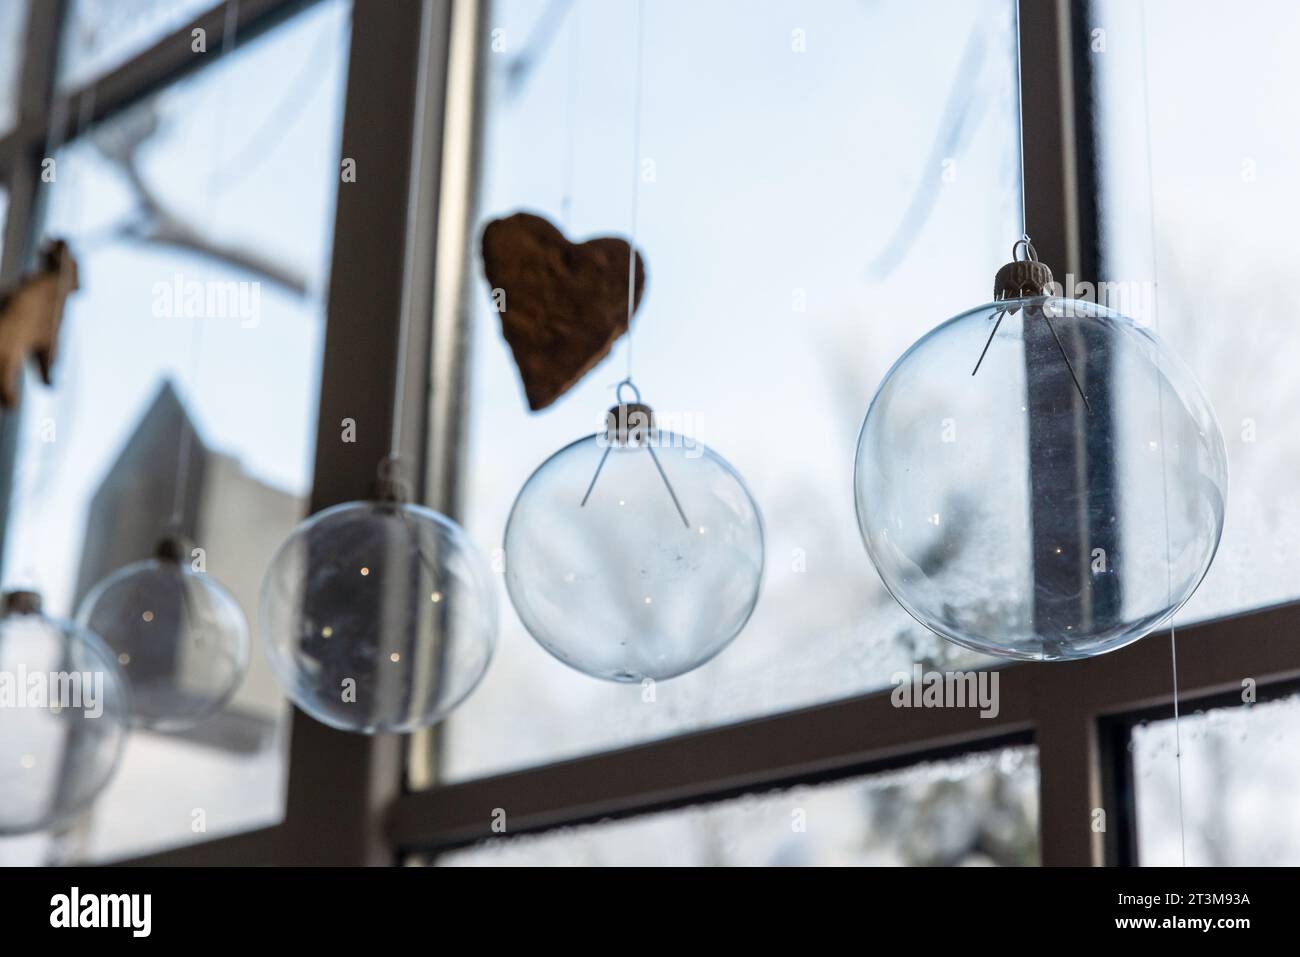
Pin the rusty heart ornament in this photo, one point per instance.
(562, 304)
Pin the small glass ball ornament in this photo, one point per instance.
(179, 637)
(1040, 478)
(64, 715)
(634, 553)
(378, 616)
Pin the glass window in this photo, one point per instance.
(1241, 772)
(13, 26)
(980, 809)
(101, 35)
(1222, 193)
(202, 219)
(791, 259)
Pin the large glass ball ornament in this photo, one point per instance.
(64, 715)
(180, 638)
(634, 553)
(1040, 478)
(378, 616)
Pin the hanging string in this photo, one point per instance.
(627, 384)
(185, 451)
(570, 118)
(1020, 129)
(1160, 396)
(636, 177)
(388, 469)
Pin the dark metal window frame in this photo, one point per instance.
(411, 121)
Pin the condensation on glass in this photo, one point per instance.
(979, 809)
(1240, 775)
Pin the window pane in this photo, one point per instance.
(980, 809)
(791, 258)
(101, 35)
(226, 178)
(1241, 772)
(1223, 193)
(13, 26)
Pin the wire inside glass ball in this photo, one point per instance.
(652, 573)
(1062, 502)
(179, 637)
(64, 715)
(378, 616)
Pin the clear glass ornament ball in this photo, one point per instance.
(1024, 514)
(378, 616)
(634, 585)
(64, 715)
(179, 637)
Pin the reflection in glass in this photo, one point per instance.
(203, 249)
(981, 500)
(1217, 284)
(649, 573)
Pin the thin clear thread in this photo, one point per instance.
(570, 118)
(636, 177)
(1020, 127)
(409, 265)
(1164, 474)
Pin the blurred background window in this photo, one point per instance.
(1241, 773)
(101, 35)
(1222, 191)
(976, 810)
(802, 173)
(13, 23)
(226, 177)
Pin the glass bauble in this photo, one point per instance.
(378, 616)
(64, 714)
(634, 556)
(180, 638)
(1041, 508)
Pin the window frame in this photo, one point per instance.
(414, 83)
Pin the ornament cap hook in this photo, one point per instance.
(629, 423)
(1026, 246)
(630, 385)
(1022, 278)
(388, 486)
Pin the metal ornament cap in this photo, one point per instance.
(1022, 279)
(173, 548)
(629, 423)
(22, 603)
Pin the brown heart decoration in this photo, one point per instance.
(562, 304)
(30, 316)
